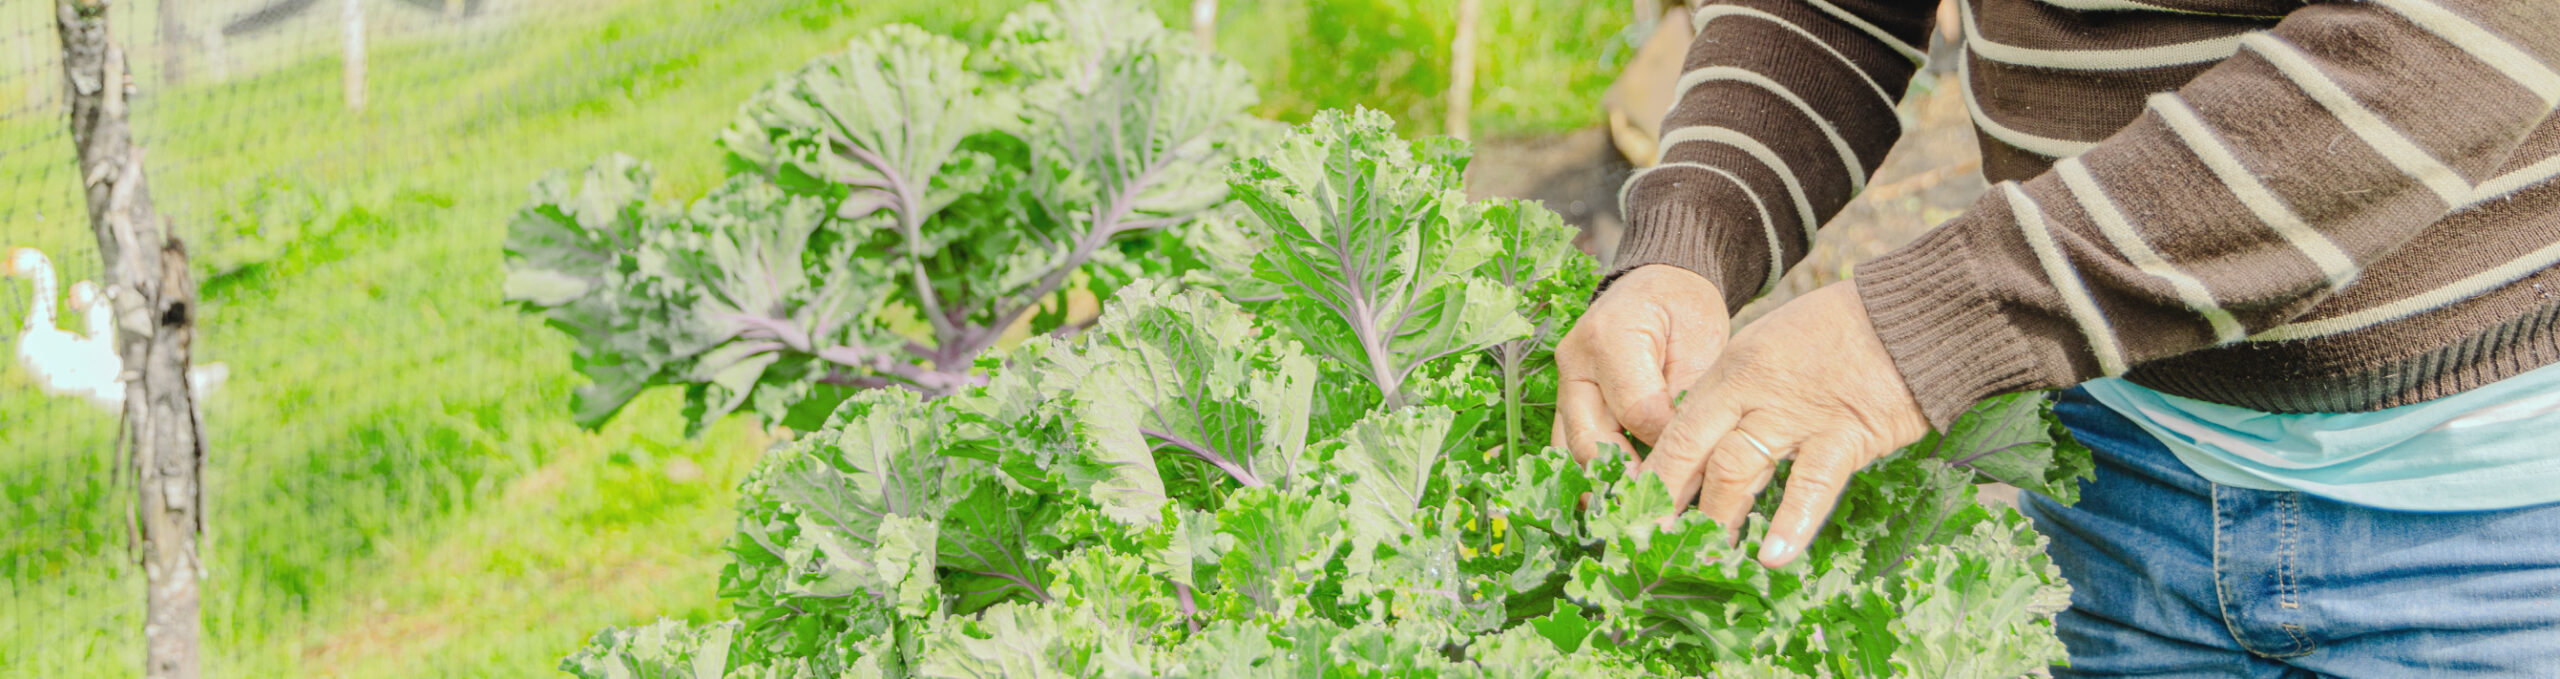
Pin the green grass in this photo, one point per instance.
(391, 447)
(396, 489)
(1540, 66)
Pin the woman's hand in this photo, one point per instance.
(1657, 326)
(1810, 381)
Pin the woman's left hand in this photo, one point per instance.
(1810, 382)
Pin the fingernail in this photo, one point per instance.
(1774, 550)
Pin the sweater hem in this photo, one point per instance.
(2519, 345)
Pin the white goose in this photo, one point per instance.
(100, 316)
(64, 364)
(70, 364)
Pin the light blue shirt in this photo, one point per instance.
(2494, 447)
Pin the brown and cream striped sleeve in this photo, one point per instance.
(2230, 207)
(1783, 110)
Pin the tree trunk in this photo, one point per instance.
(1462, 71)
(353, 15)
(146, 275)
(173, 43)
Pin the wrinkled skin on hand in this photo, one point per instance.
(1657, 329)
(1810, 382)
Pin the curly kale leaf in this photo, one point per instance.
(1374, 249)
(2016, 440)
(1123, 130)
(753, 292)
(1014, 640)
(883, 129)
(1206, 486)
(572, 255)
(882, 122)
(1536, 258)
(1979, 605)
(667, 649)
(845, 531)
(1194, 376)
(894, 184)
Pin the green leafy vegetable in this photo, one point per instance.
(1376, 249)
(895, 210)
(1299, 476)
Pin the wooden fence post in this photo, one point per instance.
(147, 279)
(173, 42)
(1204, 24)
(1462, 72)
(353, 15)
(217, 53)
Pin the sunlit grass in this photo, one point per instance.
(1541, 66)
(385, 409)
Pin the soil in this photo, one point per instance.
(1576, 174)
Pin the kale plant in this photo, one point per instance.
(893, 211)
(1296, 472)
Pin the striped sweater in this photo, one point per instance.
(2293, 207)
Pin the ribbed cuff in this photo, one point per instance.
(1669, 233)
(1949, 340)
(1693, 228)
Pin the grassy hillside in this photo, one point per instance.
(396, 487)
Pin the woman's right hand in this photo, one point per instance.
(1622, 367)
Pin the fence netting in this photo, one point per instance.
(254, 137)
(311, 213)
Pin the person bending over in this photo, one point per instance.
(2291, 262)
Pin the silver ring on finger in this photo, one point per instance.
(1756, 445)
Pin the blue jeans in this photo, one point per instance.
(2176, 576)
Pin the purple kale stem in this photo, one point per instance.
(1190, 611)
(911, 222)
(866, 382)
(938, 381)
(1156, 223)
(761, 346)
(845, 356)
(786, 330)
(1364, 328)
(1357, 314)
(1017, 580)
(1070, 329)
(1239, 473)
(1106, 226)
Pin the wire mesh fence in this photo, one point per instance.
(372, 383)
(269, 128)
